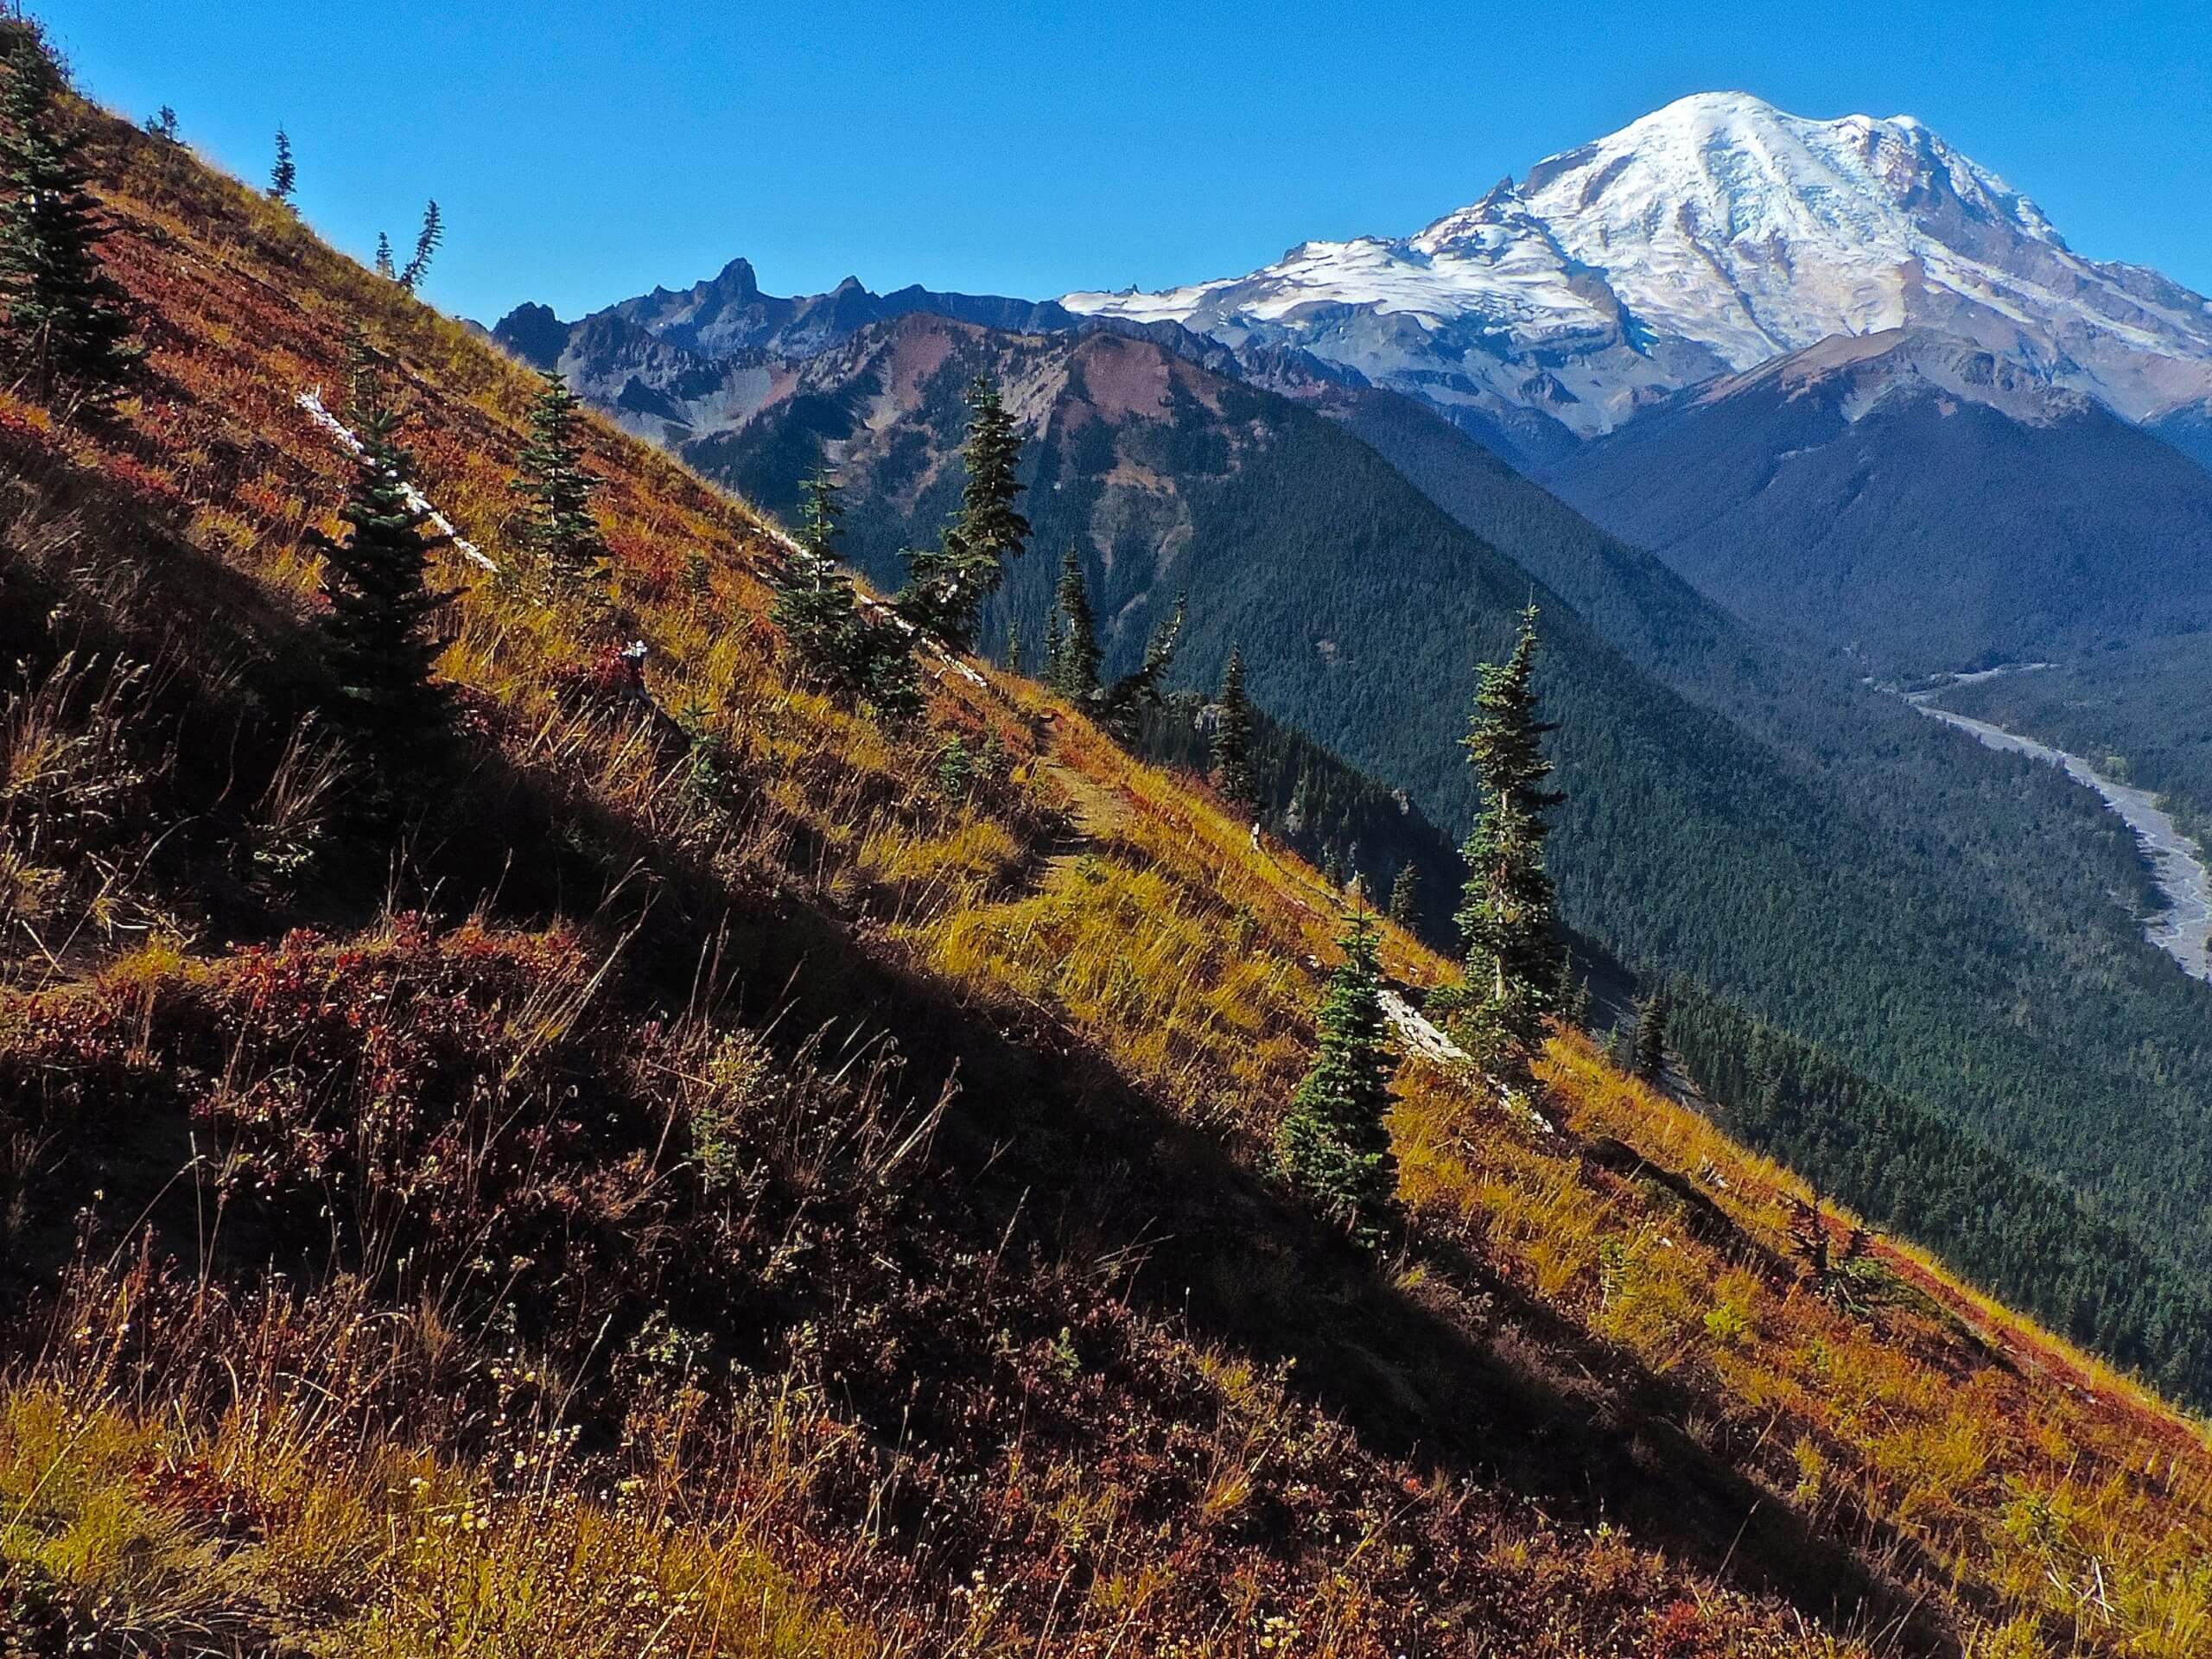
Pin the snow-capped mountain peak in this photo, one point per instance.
(1709, 236)
(1723, 220)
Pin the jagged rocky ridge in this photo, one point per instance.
(674, 366)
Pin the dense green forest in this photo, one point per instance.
(2141, 714)
(1943, 917)
(1632, 599)
(1334, 815)
(1931, 533)
(1900, 1164)
(2189, 430)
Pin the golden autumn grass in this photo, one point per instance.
(2038, 1503)
(427, 1560)
(354, 1469)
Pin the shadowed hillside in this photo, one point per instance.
(1921, 504)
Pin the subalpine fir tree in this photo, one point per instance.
(365, 370)
(835, 646)
(558, 535)
(1334, 1143)
(1509, 913)
(384, 267)
(988, 522)
(1572, 1003)
(814, 597)
(1072, 666)
(1119, 707)
(1652, 1037)
(66, 329)
(1232, 737)
(426, 245)
(946, 585)
(935, 599)
(283, 176)
(890, 682)
(1055, 643)
(376, 579)
(1405, 896)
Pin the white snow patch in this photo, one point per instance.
(883, 613)
(1422, 1037)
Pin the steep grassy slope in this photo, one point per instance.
(1327, 811)
(1945, 918)
(814, 1208)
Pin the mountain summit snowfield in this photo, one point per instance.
(1713, 235)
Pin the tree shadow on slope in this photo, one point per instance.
(1054, 1150)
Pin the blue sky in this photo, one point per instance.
(585, 152)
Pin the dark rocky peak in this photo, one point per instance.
(533, 333)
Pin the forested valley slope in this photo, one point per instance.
(1955, 924)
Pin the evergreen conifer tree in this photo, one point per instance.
(1509, 913)
(163, 124)
(1232, 737)
(836, 646)
(1334, 1143)
(946, 585)
(558, 534)
(283, 175)
(1652, 1037)
(814, 597)
(1405, 896)
(364, 368)
(1571, 1002)
(890, 682)
(426, 245)
(1014, 645)
(988, 522)
(935, 599)
(381, 642)
(67, 328)
(1055, 643)
(1074, 665)
(1119, 707)
(384, 267)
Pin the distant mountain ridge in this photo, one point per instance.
(1707, 239)
(728, 313)
(1926, 503)
(675, 366)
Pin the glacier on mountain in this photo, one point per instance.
(1713, 235)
